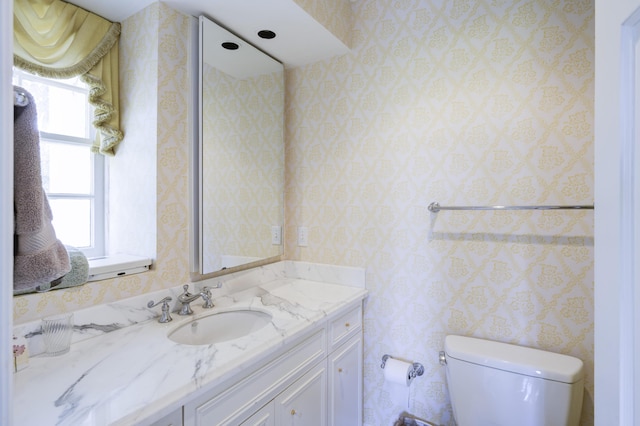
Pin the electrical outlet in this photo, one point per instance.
(303, 236)
(276, 235)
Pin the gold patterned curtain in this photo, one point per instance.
(56, 39)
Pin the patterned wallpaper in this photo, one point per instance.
(154, 208)
(462, 102)
(136, 159)
(243, 173)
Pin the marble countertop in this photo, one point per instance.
(133, 373)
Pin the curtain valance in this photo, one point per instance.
(56, 39)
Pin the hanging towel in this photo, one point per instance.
(78, 275)
(39, 257)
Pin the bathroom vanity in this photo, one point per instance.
(303, 367)
(313, 382)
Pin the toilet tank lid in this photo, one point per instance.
(516, 359)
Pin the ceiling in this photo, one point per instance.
(300, 39)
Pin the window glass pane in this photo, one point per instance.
(67, 164)
(60, 110)
(66, 168)
(72, 221)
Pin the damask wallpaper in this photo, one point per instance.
(463, 102)
(150, 169)
(243, 154)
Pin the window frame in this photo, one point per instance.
(98, 188)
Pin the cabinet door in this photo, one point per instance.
(304, 403)
(345, 384)
(264, 417)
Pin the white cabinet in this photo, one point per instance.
(315, 382)
(345, 384)
(232, 406)
(264, 417)
(345, 369)
(346, 325)
(305, 402)
(172, 419)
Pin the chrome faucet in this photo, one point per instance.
(166, 314)
(186, 298)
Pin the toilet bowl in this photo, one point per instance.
(498, 384)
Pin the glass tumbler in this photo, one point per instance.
(57, 331)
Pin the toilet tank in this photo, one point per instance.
(498, 384)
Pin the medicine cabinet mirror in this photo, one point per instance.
(238, 162)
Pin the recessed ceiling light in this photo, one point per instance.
(266, 34)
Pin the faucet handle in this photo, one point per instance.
(207, 289)
(166, 310)
(207, 296)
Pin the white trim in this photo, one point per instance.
(118, 265)
(630, 126)
(195, 136)
(6, 215)
(617, 112)
(627, 113)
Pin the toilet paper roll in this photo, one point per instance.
(398, 372)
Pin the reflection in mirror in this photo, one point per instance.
(240, 155)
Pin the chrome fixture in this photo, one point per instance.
(442, 357)
(20, 98)
(417, 370)
(409, 420)
(435, 207)
(186, 298)
(166, 314)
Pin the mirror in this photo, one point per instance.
(239, 161)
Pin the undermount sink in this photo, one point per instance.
(220, 327)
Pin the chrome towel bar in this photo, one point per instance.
(435, 207)
(19, 98)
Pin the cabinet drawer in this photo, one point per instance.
(236, 404)
(347, 325)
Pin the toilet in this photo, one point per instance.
(498, 384)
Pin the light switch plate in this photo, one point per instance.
(303, 236)
(276, 235)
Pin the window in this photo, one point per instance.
(73, 177)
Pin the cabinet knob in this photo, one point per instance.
(339, 370)
(293, 412)
(347, 325)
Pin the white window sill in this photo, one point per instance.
(118, 265)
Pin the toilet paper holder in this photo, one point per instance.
(418, 369)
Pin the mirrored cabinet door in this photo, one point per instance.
(240, 155)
